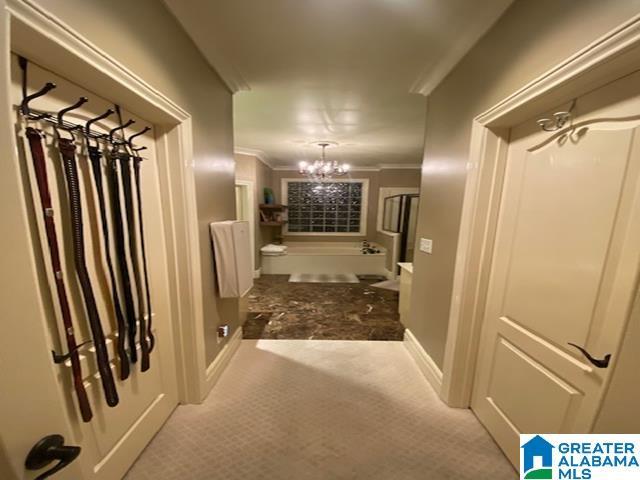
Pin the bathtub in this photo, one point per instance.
(325, 257)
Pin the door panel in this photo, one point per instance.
(115, 436)
(565, 268)
(516, 386)
(567, 203)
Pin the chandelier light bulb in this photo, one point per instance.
(322, 169)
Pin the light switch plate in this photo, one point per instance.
(426, 245)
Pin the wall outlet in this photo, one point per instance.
(426, 245)
(223, 331)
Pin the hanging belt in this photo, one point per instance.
(116, 211)
(95, 156)
(136, 170)
(40, 167)
(125, 169)
(67, 150)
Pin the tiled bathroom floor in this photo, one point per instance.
(321, 311)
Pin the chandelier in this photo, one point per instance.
(322, 169)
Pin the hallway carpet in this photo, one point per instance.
(321, 410)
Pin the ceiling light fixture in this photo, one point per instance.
(322, 169)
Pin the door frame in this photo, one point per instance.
(249, 187)
(612, 56)
(29, 30)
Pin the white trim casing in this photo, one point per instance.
(425, 363)
(608, 58)
(252, 207)
(393, 253)
(284, 188)
(32, 31)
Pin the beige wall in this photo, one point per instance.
(144, 37)
(409, 177)
(377, 179)
(252, 169)
(529, 39)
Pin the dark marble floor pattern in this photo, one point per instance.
(321, 311)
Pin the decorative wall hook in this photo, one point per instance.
(130, 140)
(58, 358)
(81, 101)
(559, 120)
(24, 106)
(128, 123)
(87, 127)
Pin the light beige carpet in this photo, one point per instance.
(322, 410)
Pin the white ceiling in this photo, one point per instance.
(349, 71)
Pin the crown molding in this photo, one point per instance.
(225, 69)
(623, 38)
(259, 154)
(289, 168)
(376, 168)
(434, 73)
(400, 166)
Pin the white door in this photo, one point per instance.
(565, 268)
(41, 400)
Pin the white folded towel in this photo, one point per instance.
(273, 249)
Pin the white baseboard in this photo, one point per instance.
(257, 273)
(424, 361)
(222, 359)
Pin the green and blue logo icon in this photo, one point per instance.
(580, 456)
(536, 459)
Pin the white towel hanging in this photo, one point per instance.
(232, 249)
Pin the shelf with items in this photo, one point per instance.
(273, 215)
(272, 206)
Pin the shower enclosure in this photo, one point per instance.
(401, 216)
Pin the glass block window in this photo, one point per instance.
(331, 207)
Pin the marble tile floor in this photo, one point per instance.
(321, 311)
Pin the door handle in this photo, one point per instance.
(47, 450)
(600, 363)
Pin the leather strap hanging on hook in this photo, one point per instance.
(123, 269)
(136, 169)
(125, 169)
(40, 168)
(95, 156)
(67, 151)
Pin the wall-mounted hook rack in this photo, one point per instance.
(130, 140)
(24, 106)
(60, 117)
(112, 132)
(559, 120)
